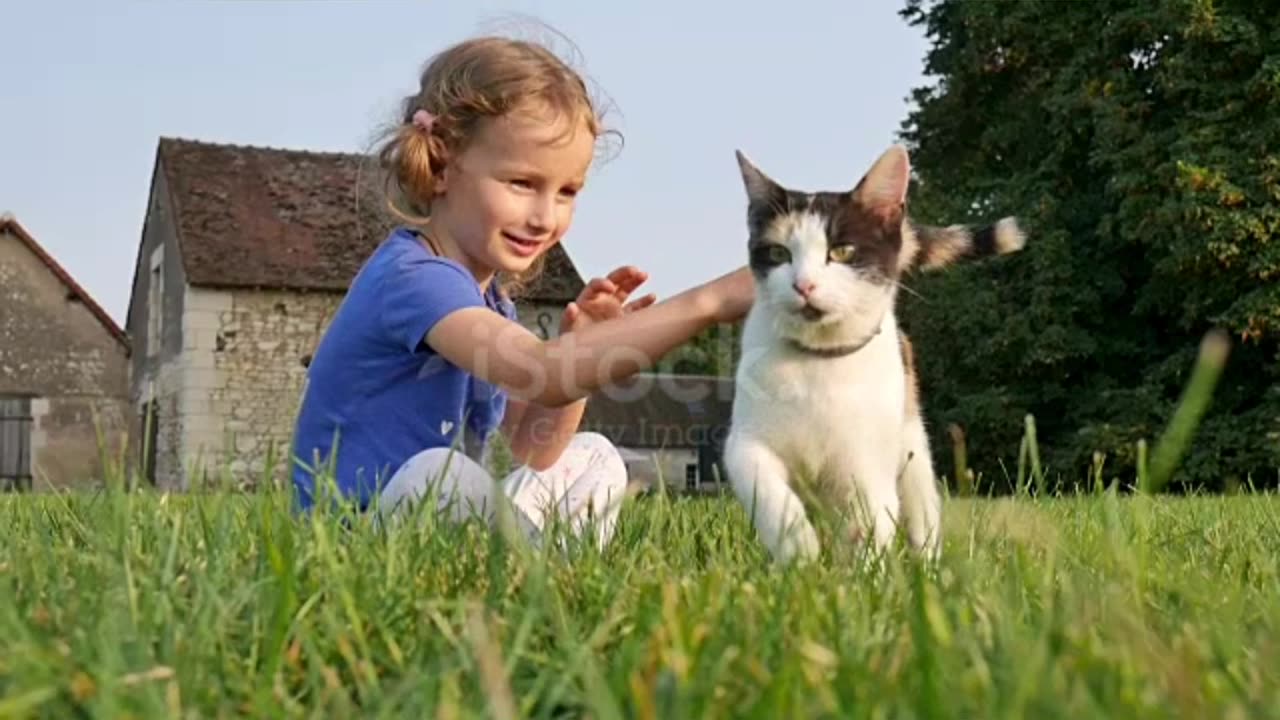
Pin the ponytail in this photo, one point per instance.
(413, 160)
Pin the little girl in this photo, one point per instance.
(425, 355)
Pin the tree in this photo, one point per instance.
(714, 351)
(1139, 144)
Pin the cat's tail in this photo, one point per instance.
(929, 247)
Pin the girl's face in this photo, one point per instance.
(509, 196)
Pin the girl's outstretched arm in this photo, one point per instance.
(570, 367)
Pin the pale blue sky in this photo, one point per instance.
(812, 91)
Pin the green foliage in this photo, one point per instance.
(714, 351)
(118, 604)
(1139, 145)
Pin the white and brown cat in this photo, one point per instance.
(825, 391)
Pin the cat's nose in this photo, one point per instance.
(804, 287)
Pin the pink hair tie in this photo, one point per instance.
(423, 120)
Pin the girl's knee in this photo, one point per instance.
(603, 450)
(425, 468)
(441, 468)
(591, 440)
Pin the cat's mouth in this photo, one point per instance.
(810, 312)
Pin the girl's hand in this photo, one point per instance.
(606, 298)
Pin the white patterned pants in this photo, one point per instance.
(587, 483)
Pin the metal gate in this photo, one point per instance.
(15, 443)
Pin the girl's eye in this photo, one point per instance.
(522, 184)
(841, 253)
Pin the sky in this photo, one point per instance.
(811, 91)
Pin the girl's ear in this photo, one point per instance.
(441, 167)
(441, 181)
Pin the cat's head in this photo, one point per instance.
(827, 264)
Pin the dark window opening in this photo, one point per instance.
(15, 443)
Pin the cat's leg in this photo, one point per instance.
(917, 484)
(918, 489)
(760, 482)
(870, 466)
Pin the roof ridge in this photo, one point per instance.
(277, 149)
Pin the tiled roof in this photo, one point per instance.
(290, 219)
(653, 410)
(10, 225)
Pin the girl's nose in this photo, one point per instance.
(542, 217)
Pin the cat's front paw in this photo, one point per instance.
(930, 549)
(856, 534)
(799, 545)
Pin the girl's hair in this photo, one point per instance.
(475, 80)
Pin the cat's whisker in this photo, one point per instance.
(903, 286)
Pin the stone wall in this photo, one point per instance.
(159, 286)
(243, 378)
(56, 352)
(157, 429)
(155, 324)
(241, 374)
(68, 452)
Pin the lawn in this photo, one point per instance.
(219, 605)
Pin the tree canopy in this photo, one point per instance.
(1139, 144)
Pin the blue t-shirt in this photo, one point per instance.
(377, 389)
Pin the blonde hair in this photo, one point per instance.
(475, 80)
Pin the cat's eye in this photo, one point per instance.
(770, 255)
(841, 253)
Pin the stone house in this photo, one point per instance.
(670, 428)
(244, 255)
(64, 372)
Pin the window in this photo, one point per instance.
(155, 301)
(149, 421)
(15, 443)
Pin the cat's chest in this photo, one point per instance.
(811, 412)
(827, 389)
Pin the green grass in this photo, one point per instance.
(129, 604)
(222, 605)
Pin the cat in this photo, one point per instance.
(826, 398)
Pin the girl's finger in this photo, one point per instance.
(641, 303)
(623, 273)
(571, 313)
(628, 278)
(602, 285)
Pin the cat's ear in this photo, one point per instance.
(760, 187)
(883, 190)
